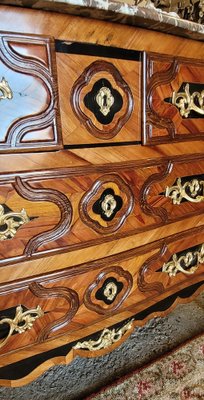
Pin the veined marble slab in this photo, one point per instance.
(143, 15)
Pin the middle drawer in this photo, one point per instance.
(70, 209)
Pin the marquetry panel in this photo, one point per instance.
(72, 208)
(100, 97)
(174, 99)
(28, 94)
(71, 299)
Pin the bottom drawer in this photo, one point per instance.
(74, 299)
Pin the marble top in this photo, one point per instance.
(143, 14)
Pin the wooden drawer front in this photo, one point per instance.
(174, 99)
(71, 299)
(28, 94)
(99, 90)
(91, 205)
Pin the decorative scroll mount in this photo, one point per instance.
(107, 338)
(5, 90)
(187, 263)
(192, 191)
(10, 222)
(187, 102)
(22, 321)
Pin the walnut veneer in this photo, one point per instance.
(101, 185)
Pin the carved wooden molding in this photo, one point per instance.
(144, 192)
(45, 74)
(83, 80)
(25, 190)
(88, 201)
(59, 292)
(152, 81)
(108, 282)
(148, 267)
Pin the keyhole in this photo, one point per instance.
(105, 100)
(108, 206)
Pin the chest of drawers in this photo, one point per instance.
(101, 186)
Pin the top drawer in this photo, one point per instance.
(106, 93)
(28, 94)
(100, 93)
(173, 99)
